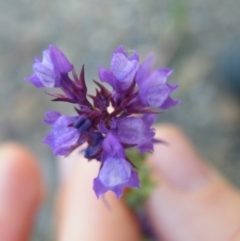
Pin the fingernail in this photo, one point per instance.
(177, 162)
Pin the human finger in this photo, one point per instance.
(20, 192)
(193, 201)
(82, 216)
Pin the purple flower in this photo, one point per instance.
(48, 72)
(63, 138)
(135, 131)
(94, 146)
(107, 134)
(154, 91)
(116, 172)
(122, 70)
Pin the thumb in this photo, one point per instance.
(192, 201)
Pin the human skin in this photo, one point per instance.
(191, 202)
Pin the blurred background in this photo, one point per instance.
(199, 39)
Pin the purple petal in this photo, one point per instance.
(124, 70)
(62, 137)
(170, 103)
(144, 70)
(59, 60)
(159, 76)
(154, 91)
(35, 81)
(37, 59)
(120, 50)
(116, 172)
(149, 119)
(62, 143)
(145, 147)
(101, 188)
(154, 95)
(133, 131)
(45, 71)
(172, 87)
(135, 56)
(112, 147)
(45, 75)
(51, 117)
(106, 76)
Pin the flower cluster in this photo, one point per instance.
(137, 95)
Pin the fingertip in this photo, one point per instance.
(177, 162)
(22, 158)
(84, 217)
(21, 191)
(193, 202)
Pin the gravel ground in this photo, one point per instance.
(198, 39)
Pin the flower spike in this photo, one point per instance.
(138, 95)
